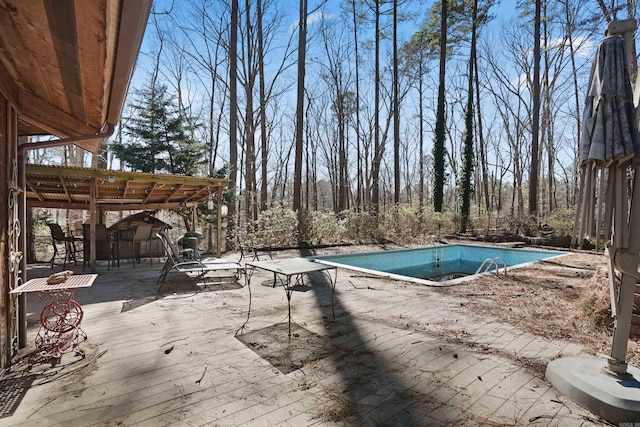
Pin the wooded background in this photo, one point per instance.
(367, 108)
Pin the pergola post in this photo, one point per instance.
(219, 218)
(92, 222)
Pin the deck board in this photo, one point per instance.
(389, 359)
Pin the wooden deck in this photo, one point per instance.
(173, 359)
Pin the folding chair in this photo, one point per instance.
(184, 262)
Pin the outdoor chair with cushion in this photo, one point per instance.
(104, 244)
(141, 234)
(62, 242)
(184, 262)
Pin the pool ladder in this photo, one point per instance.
(489, 263)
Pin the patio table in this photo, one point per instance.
(60, 317)
(288, 269)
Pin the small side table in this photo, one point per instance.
(290, 268)
(61, 315)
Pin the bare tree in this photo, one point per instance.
(338, 80)
(263, 110)
(359, 190)
(396, 109)
(297, 175)
(233, 120)
(416, 55)
(535, 126)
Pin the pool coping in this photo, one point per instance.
(446, 283)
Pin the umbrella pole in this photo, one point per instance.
(610, 202)
(592, 200)
(609, 247)
(599, 213)
(579, 209)
(626, 260)
(587, 205)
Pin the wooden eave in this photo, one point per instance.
(67, 64)
(70, 188)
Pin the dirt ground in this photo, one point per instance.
(567, 298)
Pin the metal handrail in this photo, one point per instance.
(488, 264)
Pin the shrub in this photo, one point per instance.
(595, 300)
(359, 226)
(326, 228)
(562, 221)
(277, 226)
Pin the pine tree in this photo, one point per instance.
(439, 150)
(467, 156)
(162, 136)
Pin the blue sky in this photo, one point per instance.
(505, 15)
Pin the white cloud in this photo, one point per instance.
(319, 16)
(582, 45)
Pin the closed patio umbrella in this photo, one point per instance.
(609, 139)
(609, 165)
(610, 148)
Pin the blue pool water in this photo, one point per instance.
(437, 264)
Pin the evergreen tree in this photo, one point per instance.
(467, 154)
(466, 187)
(162, 138)
(439, 150)
(448, 24)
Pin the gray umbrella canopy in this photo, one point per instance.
(609, 140)
(609, 130)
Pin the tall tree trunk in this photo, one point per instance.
(233, 122)
(535, 126)
(342, 150)
(421, 137)
(297, 175)
(377, 155)
(467, 156)
(439, 147)
(576, 97)
(396, 109)
(482, 144)
(249, 133)
(307, 169)
(547, 128)
(263, 114)
(357, 71)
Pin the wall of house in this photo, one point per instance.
(11, 262)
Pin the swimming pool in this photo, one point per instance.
(436, 265)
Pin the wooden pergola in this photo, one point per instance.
(100, 190)
(65, 67)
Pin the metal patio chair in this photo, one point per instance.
(185, 262)
(62, 242)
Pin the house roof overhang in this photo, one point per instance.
(71, 188)
(67, 64)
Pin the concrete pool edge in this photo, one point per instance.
(442, 284)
